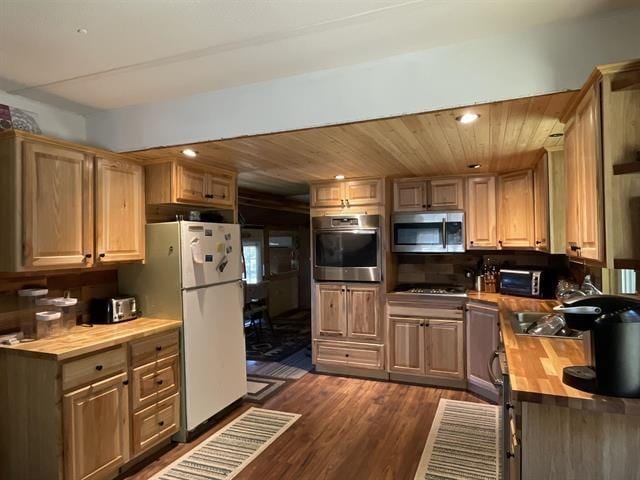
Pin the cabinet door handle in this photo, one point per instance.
(125, 382)
(538, 242)
(346, 355)
(160, 382)
(102, 255)
(470, 242)
(158, 348)
(88, 255)
(99, 367)
(347, 202)
(342, 203)
(161, 423)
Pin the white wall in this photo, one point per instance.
(543, 60)
(53, 121)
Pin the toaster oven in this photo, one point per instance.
(527, 283)
(113, 310)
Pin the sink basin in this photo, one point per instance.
(520, 321)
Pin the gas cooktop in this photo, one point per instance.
(426, 289)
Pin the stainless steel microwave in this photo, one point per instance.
(428, 232)
(347, 248)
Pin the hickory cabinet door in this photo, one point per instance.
(444, 345)
(119, 210)
(407, 345)
(363, 317)
(57, 207)
(331, 310)
(481, 212)
(515, 210)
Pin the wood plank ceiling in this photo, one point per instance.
(509, 135)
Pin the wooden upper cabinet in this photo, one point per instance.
(57, 207)
(191, 185)
(572, 190)
(588, 174)
(446, 194)
(409, 195)
(481, 212)
(419, 194)
(220, 190)
(180, 182)
(363, 312)
(96, 429)
(327, 195)
(331, 319)
(363, 192)
(347, 194)
(444, 349)
(119, 210)
(407, 351)
(515, 210)
(541, 204)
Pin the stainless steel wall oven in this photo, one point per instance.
(347, 248)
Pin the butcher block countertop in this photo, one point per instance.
(82, 340)
(535, 363)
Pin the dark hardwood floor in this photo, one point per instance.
(350, 429)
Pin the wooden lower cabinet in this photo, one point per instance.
(483, 337)
(348, 311)
(155, 423)
(427, 347)
(96, 429)
(349, 354)
(154, 380)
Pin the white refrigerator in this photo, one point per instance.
(193, 271)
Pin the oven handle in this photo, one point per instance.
(498, 382)
(367, 231)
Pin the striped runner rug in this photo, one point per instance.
(463, 444)
(225, 453)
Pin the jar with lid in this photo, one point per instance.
(29, 301)
(67, 307)
(48, 323)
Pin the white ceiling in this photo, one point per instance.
(141, 51)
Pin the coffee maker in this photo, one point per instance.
(611, 326)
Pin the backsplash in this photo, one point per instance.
(82, 285)
(452, 269)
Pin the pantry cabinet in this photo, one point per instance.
(119, 210)
(515, 210)
(347, 194)
(48, 192)
(179, 182)
(481, 212)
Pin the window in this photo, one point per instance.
(252, 251)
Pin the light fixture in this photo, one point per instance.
(474, 165)
(339, 177)
(189, 152)
(82, 31)
(468, 117)
(556, 135)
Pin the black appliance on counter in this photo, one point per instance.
(612, 344)
(527, 283)
(113, 310)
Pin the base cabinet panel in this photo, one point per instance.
(444, 349)
(155, 423)
(347, 354)
(96, 429)
(407, 345)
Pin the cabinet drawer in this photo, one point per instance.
(155, 423)
(88, 369)
(154, 348)
(154, 381)
(349, 354)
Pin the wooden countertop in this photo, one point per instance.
(535, 363)
(82, 340)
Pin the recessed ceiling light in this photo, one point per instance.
(468, 117)
(82, 31)
(556, 135)
(339, 177)
(188, 152)
(474, 165)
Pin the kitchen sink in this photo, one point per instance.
(520, 321)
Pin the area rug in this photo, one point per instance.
(259, 389)
(291, 332)
(225, 453)
(293, 367)
(463, 443)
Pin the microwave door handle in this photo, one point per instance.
(444, 233)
